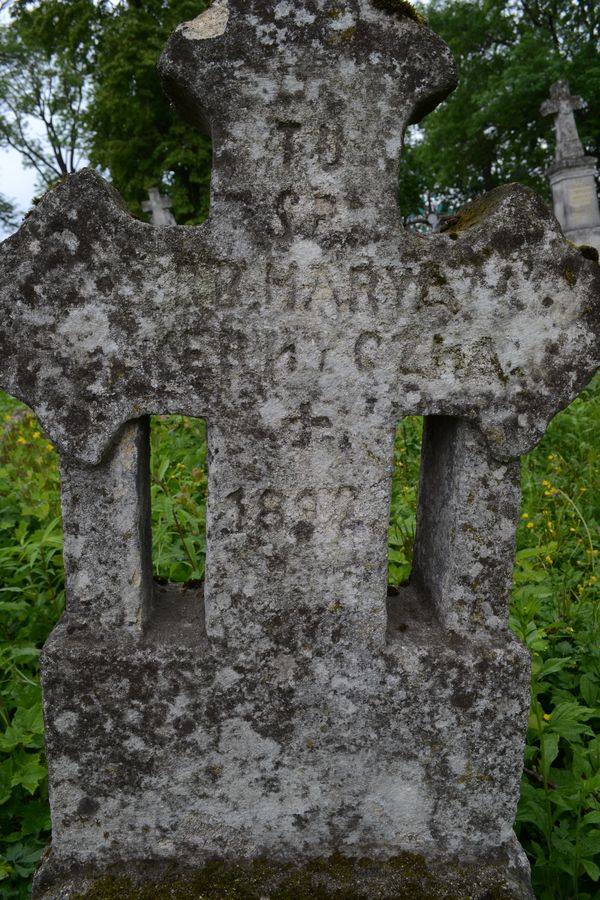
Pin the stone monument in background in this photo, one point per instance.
(573, 175)
(159, 208)
(290, 730)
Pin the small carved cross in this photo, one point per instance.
(159, 208)
(562, 106)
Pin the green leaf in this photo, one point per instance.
(24, 858)
(28, 772)
(6, 870)
(35, 817)
(550, 752)
(592, 870)
(6, 776)
(568, 720)
(543, 550)
(554, 664)
(589, 843)
(590, 689)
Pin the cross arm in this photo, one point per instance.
(94, 304)
(524, 334)
(549, 108)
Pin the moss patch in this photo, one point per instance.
(471, 213)
(405, 877)
(588, 252)
(401, 8)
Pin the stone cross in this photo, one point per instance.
(573, 175)
(562, 106)
(291, 710)
(159, 208)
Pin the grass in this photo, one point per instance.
(555, 611)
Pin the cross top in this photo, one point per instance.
(562, 105)
(159, 208)
(298, 98)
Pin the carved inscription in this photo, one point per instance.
(365, 350)
(362, 288)
(299, 512)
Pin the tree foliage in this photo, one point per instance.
(136, 135)
(78, 82)
(43, 80)
(490, 131)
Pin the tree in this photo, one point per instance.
(8, 216)
(43, 84)
(78, 81)
(136, 135)
(490, 130)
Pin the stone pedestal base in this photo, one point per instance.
(404, 877)
(169, 750)
(573, 183)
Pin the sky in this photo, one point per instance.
(16, 183)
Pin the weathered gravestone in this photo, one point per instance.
(573, 174)
(159, 208)
(292, 712)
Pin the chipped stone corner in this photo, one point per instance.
(210, 24)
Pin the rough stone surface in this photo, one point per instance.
(292, 710)
(573, 176)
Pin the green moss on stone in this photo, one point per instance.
(588, 252)
(401, 8)
(407, 876)
(471, 213)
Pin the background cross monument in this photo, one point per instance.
(159, 208)
(573, 175)
(290, 720)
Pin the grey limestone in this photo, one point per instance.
(292, 710)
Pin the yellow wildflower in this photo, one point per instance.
(21, 440)
(545, 483)
(36, 435)
(547, 717)
(530, 524)
(548, 559)
(551, 456)
(525, 516)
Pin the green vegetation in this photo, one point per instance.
(73, 90)
(555, 611)
(490, 130)
(179, 490)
